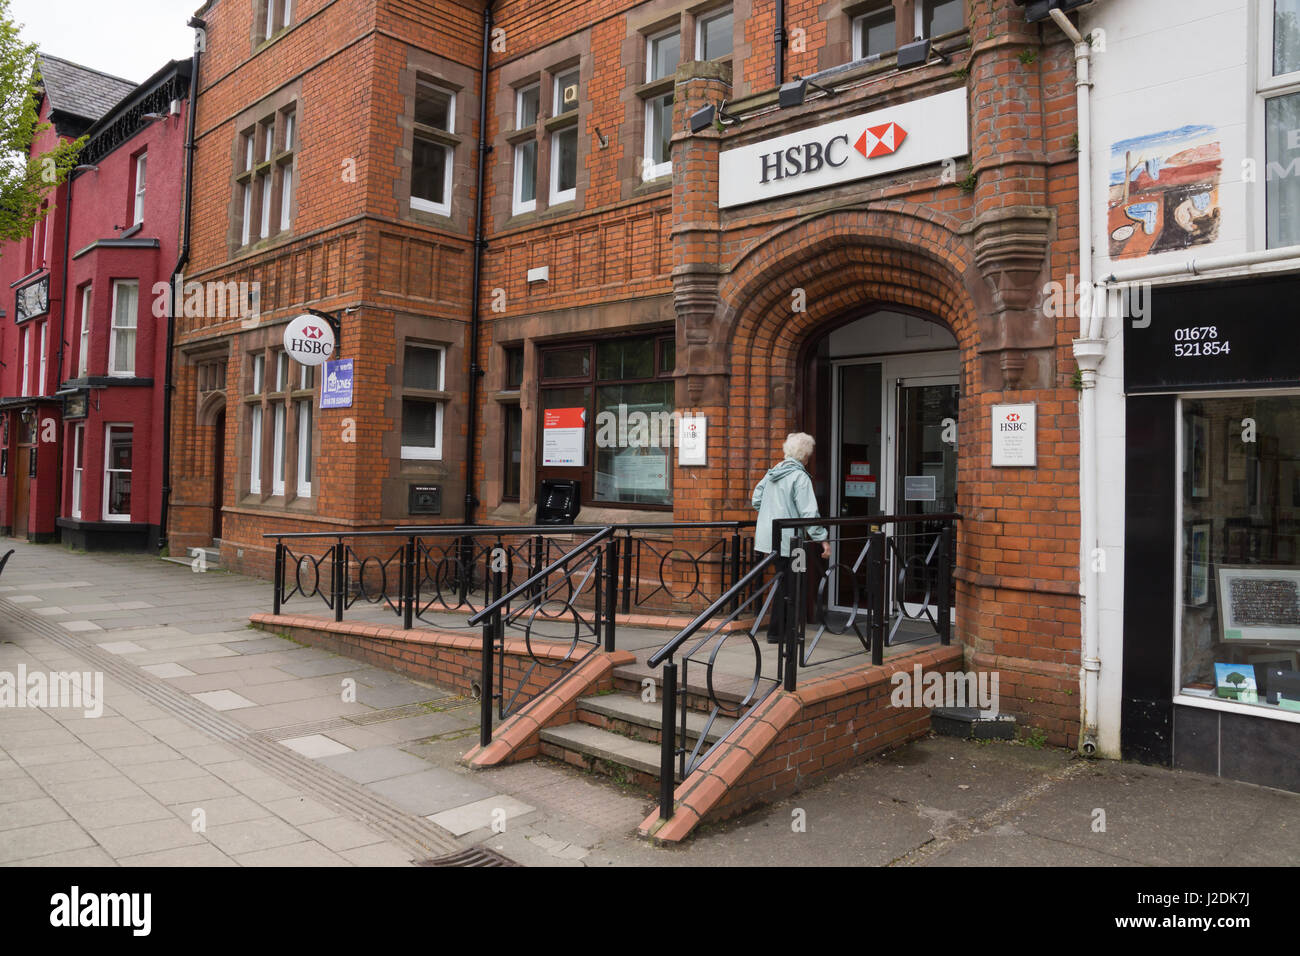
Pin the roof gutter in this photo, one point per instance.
(177, 287)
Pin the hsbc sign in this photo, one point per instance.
(309, 339)
(914, 133)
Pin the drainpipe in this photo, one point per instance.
(1089, 350)
(63, 319)
(779, 39)
(176, 291)
(475, 370)
(1284, 257)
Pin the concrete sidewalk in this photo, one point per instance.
(219, 744)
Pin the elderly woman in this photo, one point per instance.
(786, 491)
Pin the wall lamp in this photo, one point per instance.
(792, 93)
(710, 115)
(918, 53)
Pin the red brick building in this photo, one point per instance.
(81, 417)
(861, 258)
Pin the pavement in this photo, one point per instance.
(216, 744)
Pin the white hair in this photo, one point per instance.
(799, 446)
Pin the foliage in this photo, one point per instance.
(25, 180)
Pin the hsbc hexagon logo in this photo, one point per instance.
(880, 140)
(309, 339)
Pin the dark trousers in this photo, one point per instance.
(776, 623)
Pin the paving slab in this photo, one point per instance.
(377, 763)
(431, 791)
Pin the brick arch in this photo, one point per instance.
(848, 262)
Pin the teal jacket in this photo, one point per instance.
(786, 491)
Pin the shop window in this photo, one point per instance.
(606, 419)
(422, 402)
(663, 53)
(83, 348)
(264, 178)
(713, 35)
(121, 341)
(78, 467)
(117, 473)
(433, 149)
(875, 32)
(1239, 613)
(527, 111)
(137, 188)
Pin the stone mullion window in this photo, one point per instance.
(663, 54)
(264, 177)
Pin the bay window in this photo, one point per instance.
(78, 466)
(117, 472)
(83, 353)
(121, 341)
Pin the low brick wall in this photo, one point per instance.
(452, 661)
(797, 739)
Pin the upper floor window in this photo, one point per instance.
(713, 35)
(433, 149)
(663, 52)
(937, 17)
(138, 186)
(1279, 88)
(121, 341)
(264, 176)
(874, 32)
(564, 141)
(274, 16)
(527, 111)
(83, 351)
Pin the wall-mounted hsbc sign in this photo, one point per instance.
(914, 133)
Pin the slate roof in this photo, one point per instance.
(76, 90)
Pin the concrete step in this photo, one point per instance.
(630, 716)
(970, 723)
(211, 558)
(603, 751)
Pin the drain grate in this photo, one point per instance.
(474, 856)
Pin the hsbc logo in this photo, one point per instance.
(880, 140)
(809, 157)
(1012, 422)
(312, 331)
(1013, 417)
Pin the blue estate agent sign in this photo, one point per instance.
(336, 386)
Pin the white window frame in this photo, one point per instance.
(918, 24)
(279, 425)
(426, 452)
(42, 344)
(255, 451)
(259, 371)
(286, 195)
(427, 205)
(518, 205)
(708, 18)
(281, 372)
(246, 231)
(141, 165)
(304, 447)
(25, 345)
(1267, 87)
(109, 472)
(563, 195)
(650, 169)
(114, 328)
(856, 28)
(78, 466)
(556, 102)
(83, 358)
(265, 231)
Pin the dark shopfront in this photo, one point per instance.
(1211, 675)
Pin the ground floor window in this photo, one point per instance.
(606, 418)
(78, 467)
(117, 473)
(1239, 629)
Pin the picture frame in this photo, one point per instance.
(1236, 454)
(1259, 604)
(1198, 564)
(1198, 457)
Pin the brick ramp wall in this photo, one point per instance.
(795, 739)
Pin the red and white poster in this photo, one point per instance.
(563, 437)
(859, 482)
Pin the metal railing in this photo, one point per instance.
(888, 577)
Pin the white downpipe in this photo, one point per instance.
(1089, 350)
(1285, 255)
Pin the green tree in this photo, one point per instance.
(25, 180)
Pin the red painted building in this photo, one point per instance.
(84, 335)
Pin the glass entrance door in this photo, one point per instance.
(925, 481)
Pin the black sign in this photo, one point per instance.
(424, 500)
(74, 406)
(1212, 336)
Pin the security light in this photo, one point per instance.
(1036, 10)
(793, 93)
(702, 118)
(917, 53)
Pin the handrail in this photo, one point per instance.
(686, 633)
(540, 575)
(441, 529)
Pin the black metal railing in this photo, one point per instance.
(888, 580)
